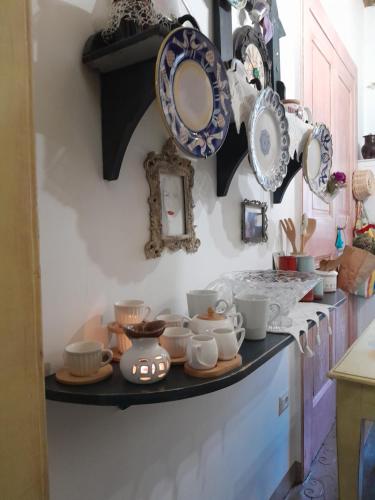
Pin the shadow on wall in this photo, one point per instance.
(208, 447)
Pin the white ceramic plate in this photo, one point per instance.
(317, 160)
(268, 140)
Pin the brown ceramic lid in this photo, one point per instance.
(145, 330)
(211, 315)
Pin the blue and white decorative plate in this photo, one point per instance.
(193, 92)
(268, 140)
(317, 160)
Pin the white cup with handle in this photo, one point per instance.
(175, 340)
(130, 312)
(86, 357)
(174, 320)
(228, 342)
(257, 312)
(200, 301)
(202, 352)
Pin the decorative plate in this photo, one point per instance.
(193, 92)
(317, 160)
(268, 140)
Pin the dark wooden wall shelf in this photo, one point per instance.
(127, 69)
(116, 391)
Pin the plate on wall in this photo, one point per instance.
(193, 92)
(268, 140)
(317, 160)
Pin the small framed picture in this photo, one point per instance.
(254, 221)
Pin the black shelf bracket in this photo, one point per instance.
(127, 74)
(294, 166)
(229, 158)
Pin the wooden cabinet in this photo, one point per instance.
(318, 391)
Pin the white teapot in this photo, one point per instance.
(203, 323)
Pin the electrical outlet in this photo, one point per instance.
(283, 403)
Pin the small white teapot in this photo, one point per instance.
(203, 323)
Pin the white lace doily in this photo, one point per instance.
(298, 132)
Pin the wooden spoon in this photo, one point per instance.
(310, 230)
(290, 231)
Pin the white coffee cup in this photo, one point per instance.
(130, 312)
(257, 312)
(173, 319)
(86, 357)
(228, 341)
(175, 340)
(202, 352)
(199, 301)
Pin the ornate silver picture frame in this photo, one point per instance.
(171, 179)
(254, 221)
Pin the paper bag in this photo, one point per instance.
(355, 266)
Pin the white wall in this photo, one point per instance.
(92, 235)
(369, 71)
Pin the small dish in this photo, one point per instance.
(317, 160)
(268, 140)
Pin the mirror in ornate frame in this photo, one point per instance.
(170, 178)
(254, 221)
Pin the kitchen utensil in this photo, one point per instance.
(192, 90)
(203, 323)
(175, 340)
(303, 232)
(65, 377)
(200, 301)
(310, 230)
(130, 312)
(220, 369)
(85, 358)
(146, 361)
(228, 342)
(257, 311)
(290, 231)
(202, 352)
(268, 140)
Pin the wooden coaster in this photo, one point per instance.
(221, 368)
(64, 377)
(116, 355)
(178, 361)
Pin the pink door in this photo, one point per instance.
(330, 81)
(330, 91)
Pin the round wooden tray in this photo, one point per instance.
(64, 377)
(221, 368)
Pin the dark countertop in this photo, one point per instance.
(116, 391)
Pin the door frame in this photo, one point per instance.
(23, 458)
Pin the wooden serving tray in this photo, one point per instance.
(221, 368)
(64, 377)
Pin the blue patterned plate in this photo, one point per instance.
(317, 160)
(193, 92)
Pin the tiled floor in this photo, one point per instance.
(321, 483)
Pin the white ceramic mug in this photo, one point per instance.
(173, 319)
(228, 341)
(86, 357)
(257, 312)
(199, 301)
(130, 312)
(202, 352)
(175, 340)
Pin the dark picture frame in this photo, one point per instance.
(254, 221)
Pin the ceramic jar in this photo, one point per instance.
(368, 149)
(146, 361)
(329, 279)
(203, 323)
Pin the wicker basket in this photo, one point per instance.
(363, 184)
